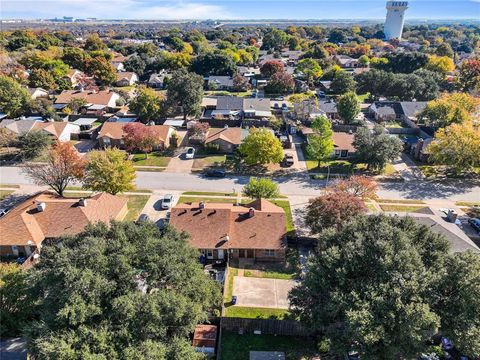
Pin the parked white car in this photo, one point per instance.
(190, 153)
(167, 201)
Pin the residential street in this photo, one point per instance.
(294, 185)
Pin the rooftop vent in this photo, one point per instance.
(251, 212)
(82, 202)
(41, 206)
(201, 205)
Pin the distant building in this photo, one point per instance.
(395, 19)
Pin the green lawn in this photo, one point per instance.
(467, 203)
(5, 193)
(270, 274)
(154, 159)
(151, 169)
(371, 207)
(285, 205)
(238, 347)
(336, 167)
(399, 201)
(213, 160)
(402, 208)
(227, 299)
(207, 193)
(188, 199)
(135, 205)
(389, 170)
(77, 194)
(256, 313)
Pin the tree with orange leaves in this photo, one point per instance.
(64, 165)
(358, 185)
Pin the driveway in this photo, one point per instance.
(153, 207)
(260, 292)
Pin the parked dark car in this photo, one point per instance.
(288, 160)
(220, 173)
(475, 223)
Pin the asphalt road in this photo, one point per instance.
(294, 185)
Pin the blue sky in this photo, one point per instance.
(234, 9)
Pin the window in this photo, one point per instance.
(337, 153)
(344, 153)
(209, 254)
(269, 253)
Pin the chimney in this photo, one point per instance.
(41, 206)
(201, 205)
(251, 212)
(82, 202)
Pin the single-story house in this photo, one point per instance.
(220, 82)
(329, 107)
(342, 143)
(104, 98)
(111, 134)
(219, 231)
(156, 80)
(239, 108)
(459, 241)
(404, 111)
(227, 139)
(58, 130)
(248, 71)
(74, 76)
(346, 62)
(47, 216)
(126, 79)
(36, 93)
(118, 60)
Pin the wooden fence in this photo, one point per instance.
(266, 326)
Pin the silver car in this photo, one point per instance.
(167, 201)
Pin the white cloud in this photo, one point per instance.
(113, 9)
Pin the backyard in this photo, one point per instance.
(238, 347)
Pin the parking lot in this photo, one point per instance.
(261, 292)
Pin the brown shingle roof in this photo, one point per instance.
(55, 128)
(114, 130)
(125, 75)
(343, 141)
(210, 226)
(230, 135)
(97, 98)
(61, 217)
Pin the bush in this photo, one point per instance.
(211, 148)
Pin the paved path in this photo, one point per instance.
(407, 168)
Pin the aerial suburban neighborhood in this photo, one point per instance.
(240, 189)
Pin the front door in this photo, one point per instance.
(220, 254)
(250, 253)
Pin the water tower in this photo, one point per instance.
(395, 18)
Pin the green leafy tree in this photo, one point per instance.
(147, 104)
(309, 69)
(348, 107)
(457, 146)
(109, 170)
(459, 302)
(376, 148)
(342, 83)
(15, 303)
(214, 64)
(136, 64)
(42, 79)
(138, 293)
(185, 90)
(274, 39)
(378, 305)
(320, 144)
(94, 43)
(261, 188)
(14, 99)
(102, 70)
(404, 62)
(76, 58)
(261, 147)
(33, 144)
